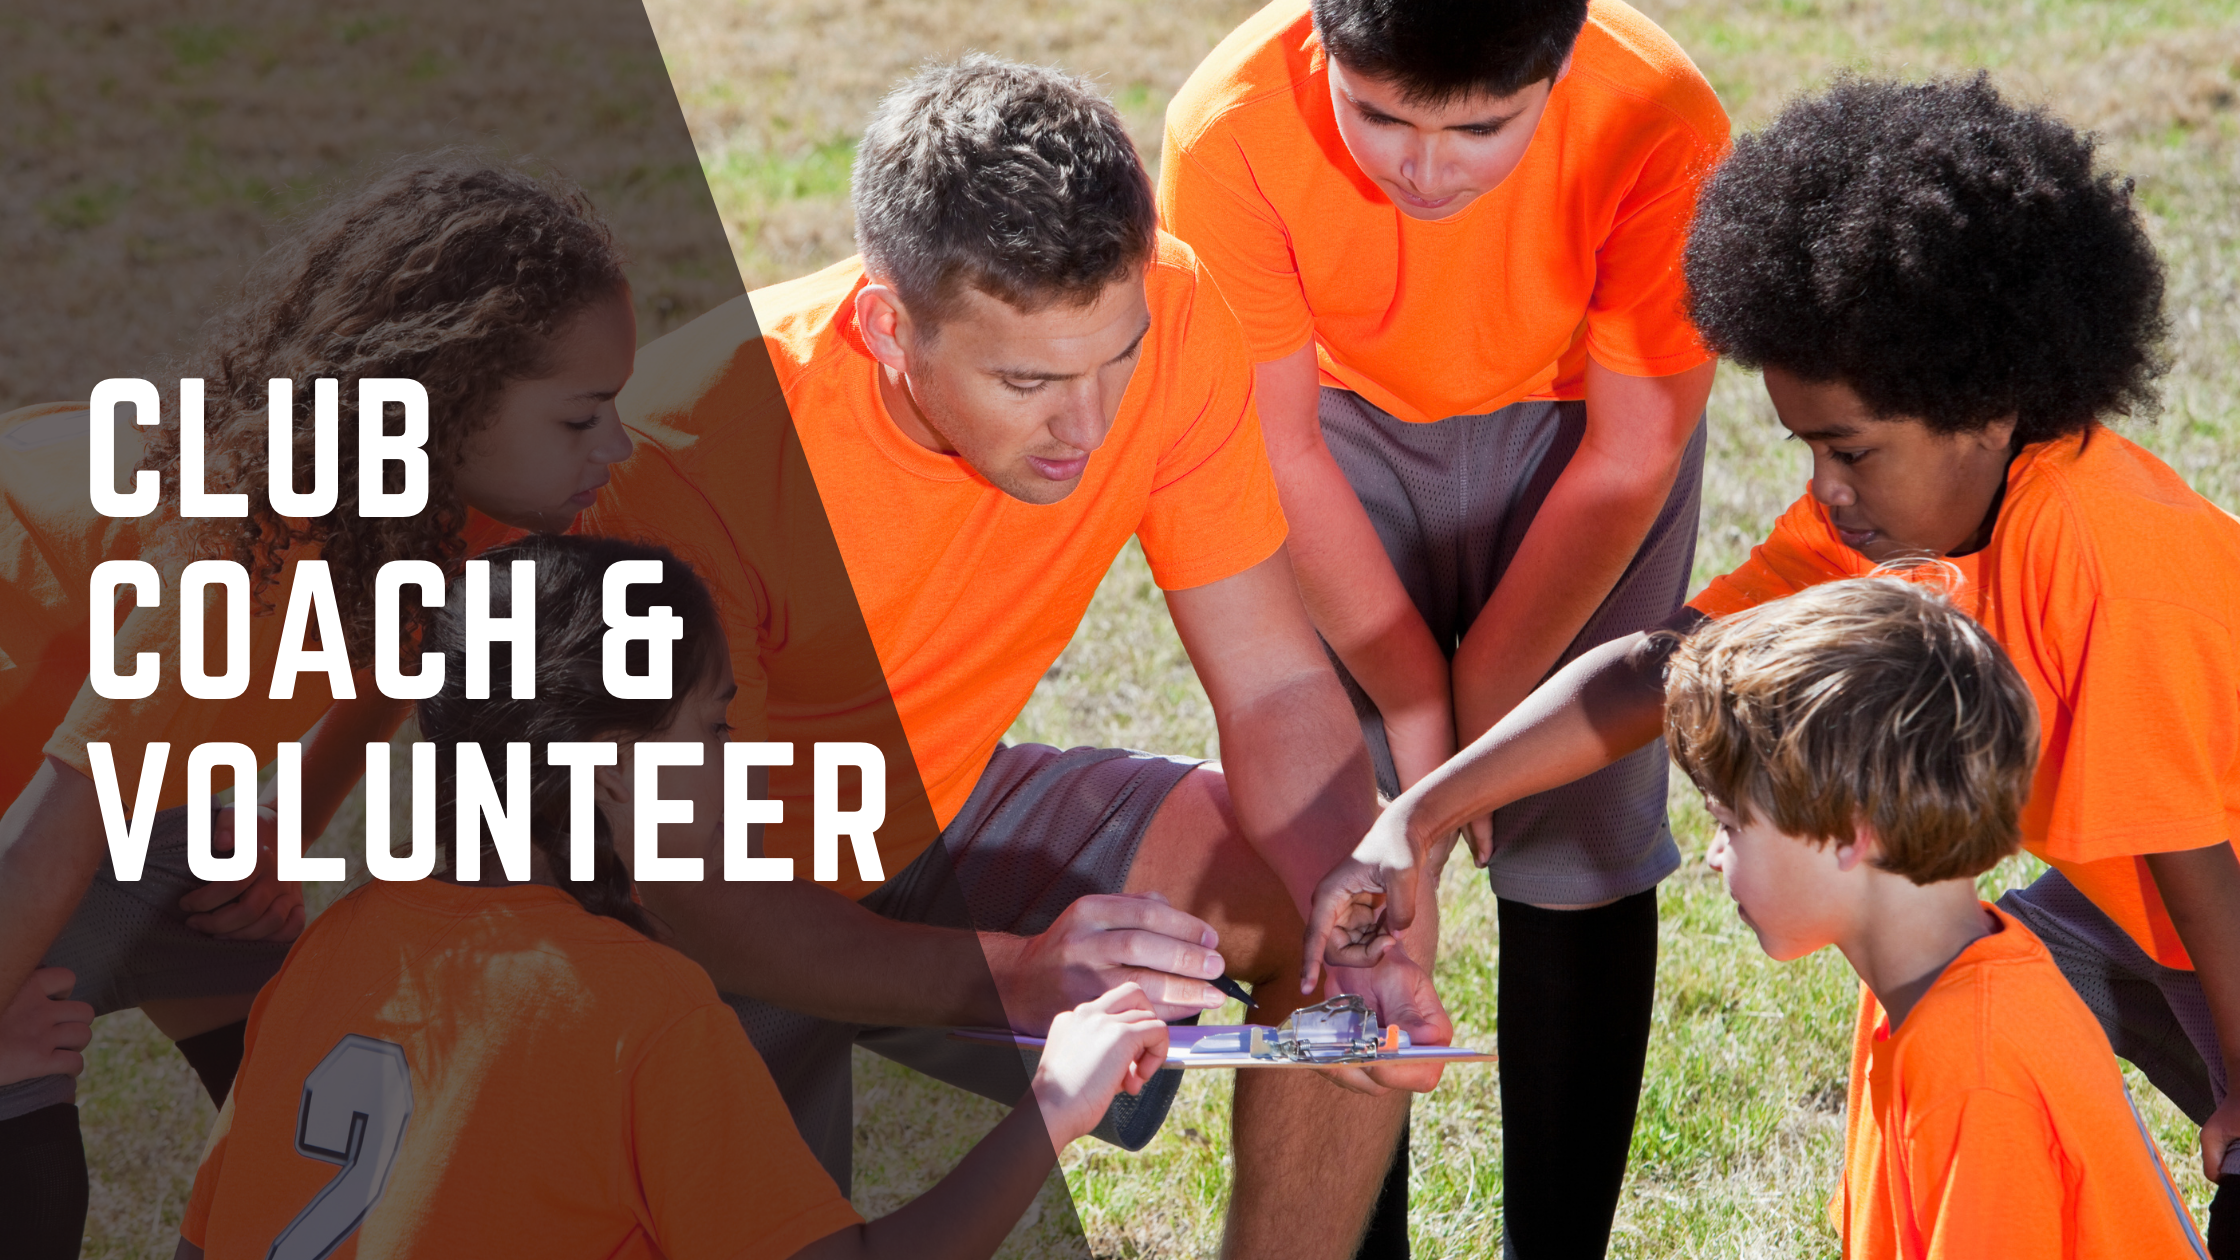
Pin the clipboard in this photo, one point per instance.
(1337, 1033)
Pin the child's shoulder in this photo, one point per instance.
(2101, 499)
(1262, 59)
(529, 939)
(1623, 53)
(2003, 1018)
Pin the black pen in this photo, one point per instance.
(1233, 989)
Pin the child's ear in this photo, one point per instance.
(1863, 846)
(610, 785)
(1997, 435)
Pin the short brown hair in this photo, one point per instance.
(1871, 701)
(1016, 180)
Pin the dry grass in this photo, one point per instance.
(156, 148)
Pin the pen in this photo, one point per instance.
(1233, 989)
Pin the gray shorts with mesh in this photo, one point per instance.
(129, 943)
(2155, 1016)
(1042, 829)
(1451, 501)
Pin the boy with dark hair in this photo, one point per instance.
(1452, 234)
(1018, 374)
(1866, 749)
(1946, 297)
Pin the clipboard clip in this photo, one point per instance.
(1341, 1030)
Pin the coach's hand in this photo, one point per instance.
(1402, 994)
(43, 1032)
(1100, 943)
(262, 907)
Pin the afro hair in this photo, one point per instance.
(1949, 257)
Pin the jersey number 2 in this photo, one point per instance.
(355, 1106)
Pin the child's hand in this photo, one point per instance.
(42, 1031)
(262, 907)
(1105, 1046)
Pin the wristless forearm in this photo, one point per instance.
(1578, 546)
(1299, 781)
(2201, 889)
(1600, 707)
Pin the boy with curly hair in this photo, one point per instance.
(1946, 297)
(1865, 749)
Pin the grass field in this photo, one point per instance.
(1737, 1144)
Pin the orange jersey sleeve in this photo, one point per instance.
(1801, 551)
(1994, 1122)
(1576, 253)
(51, 541)
(1213, 511)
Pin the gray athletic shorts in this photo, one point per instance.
(2155, 1016)
(1042, 829)
(129, 943)
(1451, 501)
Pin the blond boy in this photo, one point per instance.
(1866, 750)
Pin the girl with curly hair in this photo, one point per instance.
(503, 295)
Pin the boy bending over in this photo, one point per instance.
(1866, 750)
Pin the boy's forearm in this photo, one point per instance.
(812, 950)
(1572, 555)
(1351, 591)
(51, 845)
(1581, 540)
(1345, 577)
(1603, 705)
(967, 1214)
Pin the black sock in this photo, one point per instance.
(1575, 994)
(215, 1056)
(2224, 1219)
(43, 1184)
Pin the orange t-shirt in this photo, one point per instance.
(1576, 253)
(966, 594)
(564, 1087)
(1994, 1122)
(2116, 590)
